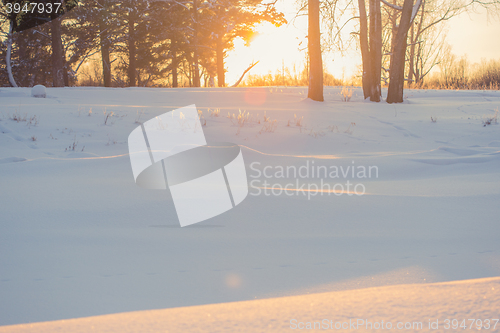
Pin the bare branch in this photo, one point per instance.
(243, 75)
(391, 5)
(415, 9)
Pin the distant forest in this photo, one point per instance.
(184, 43)
(165, 43)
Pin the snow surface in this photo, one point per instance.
(78, 238)
(412, 306)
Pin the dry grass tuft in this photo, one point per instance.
(346, 94)
(491, 119)
(269, 127)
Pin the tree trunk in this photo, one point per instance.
(219, 52)
(418, 53)
(375, 49)
(397, 73)
(65, 71)
(314, 45)
(105, 45)
(411, 70)
(190, 74)
(132, 82)
(175, 81)
(371, 49)
(365, 50)
(65, 65)
(106, 63)
(196, 70)
(418, 79)
(57, 56)
(393, 18)
(12, 81)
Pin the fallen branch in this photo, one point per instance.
(243, 75)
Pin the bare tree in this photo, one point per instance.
(12, 81)
(105, 44)
(132, 48)
(367, 77)
(57, 53)
(196, 28)
(425, 37)
(425, 47)
(314, 47)
(397, 71)
(424, 55)
(446, 65)
(371, 48)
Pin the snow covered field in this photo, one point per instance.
(79, 238)
(409, 308)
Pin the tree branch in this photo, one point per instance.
(243, 75)
(414, 12)
(391, 5)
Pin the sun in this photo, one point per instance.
(274, 48)
(285, 47)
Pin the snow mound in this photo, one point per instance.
(494, 144)
(39, 91)
(418, 307)
(460, 152)
(12, 160)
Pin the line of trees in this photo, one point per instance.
(458, 73)
(400, 40)
(163, 42)
(413, 40)
(147, 42)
